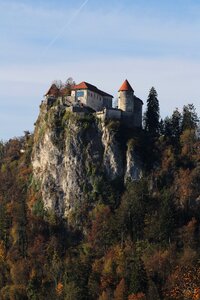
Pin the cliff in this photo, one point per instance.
(74, 156)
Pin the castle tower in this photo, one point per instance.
(126, 97)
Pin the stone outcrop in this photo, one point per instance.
(71, 151)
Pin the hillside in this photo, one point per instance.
(99, 211)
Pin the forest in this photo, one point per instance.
(140, 241)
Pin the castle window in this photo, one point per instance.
(79, 93)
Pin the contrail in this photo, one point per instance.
(66, 26)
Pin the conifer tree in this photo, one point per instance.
(176, 123)
(190, 118)
(168, 127)
(153, 113)
(138, 277)
(162, 127)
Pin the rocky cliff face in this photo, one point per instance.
(72, 153)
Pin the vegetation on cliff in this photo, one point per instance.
(138, 240)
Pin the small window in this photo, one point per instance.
(79, 93)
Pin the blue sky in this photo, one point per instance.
(152, 43)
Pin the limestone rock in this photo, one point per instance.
(70, 152)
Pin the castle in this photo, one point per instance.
(85, 97)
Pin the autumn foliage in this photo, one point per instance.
(139, 243)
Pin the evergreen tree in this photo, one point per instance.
(176, 124)
(172, 128)
(190, 118)
(162, 127)
(167, 216)
(168, 127)
(138, 277)
(1, 149)
(153, 113)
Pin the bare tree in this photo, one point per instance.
(70, 82)
(58, 83)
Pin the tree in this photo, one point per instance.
(70, 82)
(71, 291)
(120, 292)
(139, 296)
(167, 215)
(153, 113)
(68, 85)
(103, 231)
(58, 83)
(168, 127)
(105, 296)
(176, 123)
(138, 277)
(1, 149)
(173, 128)
(4, 223)
(162, 127)
(183, 283)
(190, 118)
(132, 210)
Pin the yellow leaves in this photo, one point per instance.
(107, 277)
(108, 266)
(59, 288)
(9, 207)
(105, 296)
(120, 290)
(33, 273)
(184, 284)
(157, 262)
(97, 266)
(168, 159)
(183, 184)
(2, 251)
(15, 233)
(188, 140)
(196, 294)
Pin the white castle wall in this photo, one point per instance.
(93, 100)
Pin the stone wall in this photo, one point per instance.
(128, 119)
(109, 114)
(94, 100)
(107, 102)
(126, 101)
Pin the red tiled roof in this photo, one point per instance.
(126, 87)
(87, 86)
(81, 86)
